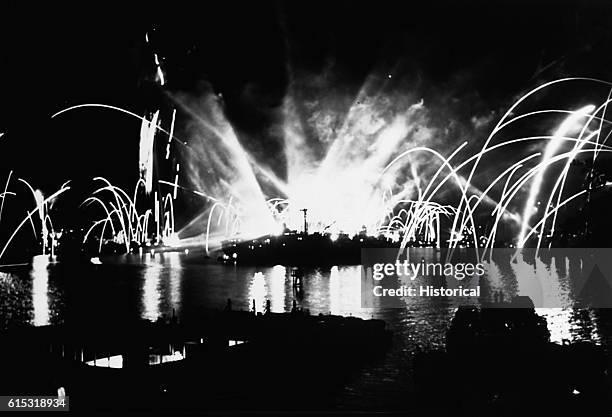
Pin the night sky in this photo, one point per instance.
(482, 53)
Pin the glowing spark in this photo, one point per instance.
(29, 216)
(160, 73)
(4, 194)
(377, 174)
(119, 109)
(171, 134)
(147, 140)
(570, 124)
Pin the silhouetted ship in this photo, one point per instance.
(301, 249)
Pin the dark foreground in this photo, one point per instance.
(231, 361)
(497, 362)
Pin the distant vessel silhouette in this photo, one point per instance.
(303, 248)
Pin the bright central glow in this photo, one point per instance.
(342, 187)
(172, 240)
(378, 163)
(343, 192)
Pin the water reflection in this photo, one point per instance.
(165, 283)
(278, 276)
(150, 290)
(344, 289)
(15, 300)
(40, 290)
(566, 325)
(335, 291)
(162, 288)
(257, 291)
(176, 273)
(549, 284)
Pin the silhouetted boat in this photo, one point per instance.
(221, 360)
(500, 362)
(292, 248)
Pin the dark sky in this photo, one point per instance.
(249, 51)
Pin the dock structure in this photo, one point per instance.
(156, 364)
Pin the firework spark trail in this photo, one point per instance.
(5, 193)
(30, 214)
(346, 177)
(497, 213)
(560, 184)
(196, 192)
(171, 134)
(412, 222)
(121, 110)
(552, 212)
(221, 166)
(553, 146)
(159, 73)
(501, 124)
(133, 212)
(43, 214)
(103, 205)
(502, 208)
(384, 133)
(42, 207)
(119, 208)
(147, 141)
(96, 223)
(445, 163)
(579, 141)
(306, 186)
(133, 226)
(123, 202)
(601, 121)
(372, 160)
(517, 186)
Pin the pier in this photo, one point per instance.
(220, 355)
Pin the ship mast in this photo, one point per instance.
(304, 210)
